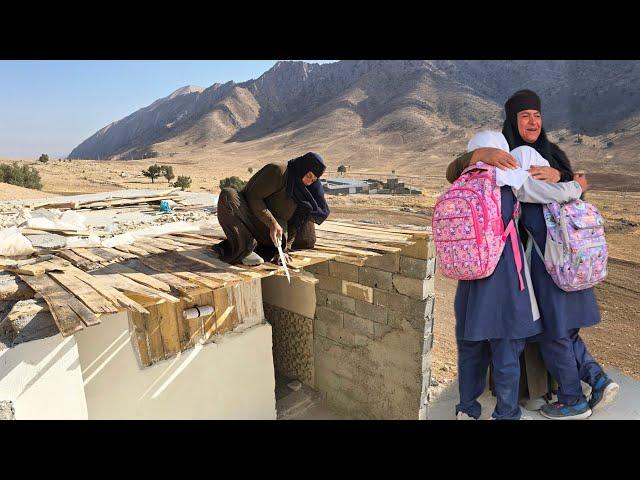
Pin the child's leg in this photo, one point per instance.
(473, 361)
(505, 358)
(588, 368)
(560, 359)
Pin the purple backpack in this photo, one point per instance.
(576, 251)
(468, 230)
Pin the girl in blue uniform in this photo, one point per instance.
(493, 319)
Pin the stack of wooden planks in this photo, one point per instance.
(155, 279)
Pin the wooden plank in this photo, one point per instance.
(106, 255)
(203, 257)
(226, 315)
(361, 233)
(148, 248)
(129, 286)
(168, 322)
(96, 302)
(103, 288)
(86, 253)
(383, 229)
(139, 337)
(59, 301)
(58, 205)
(118, 253)
(75, 259)
(131, 249)
(328, 247)
(184, 287)
(195, 241)
(152, 327)
(137, 276)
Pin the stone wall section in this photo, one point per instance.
(372, 333)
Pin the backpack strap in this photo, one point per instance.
(535, 244)
(511, 231)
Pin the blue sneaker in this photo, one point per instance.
(561, 411)
(603, 392)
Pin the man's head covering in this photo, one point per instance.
(310, 200)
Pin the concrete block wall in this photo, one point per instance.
(373, 333)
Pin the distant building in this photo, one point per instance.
(344, 186)
(347, 186)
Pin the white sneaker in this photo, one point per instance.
(464, 416)
(535, 404)
(252, 260)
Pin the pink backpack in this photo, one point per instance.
(467, 226)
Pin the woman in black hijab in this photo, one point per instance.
(527, 100)
(281, 202)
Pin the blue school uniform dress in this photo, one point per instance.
(562, 315)
(493, 319)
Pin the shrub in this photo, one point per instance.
(250, 170)
(153, 172)
(182, 182)
(342, 169)
(233, 182)
(20, 175)
(167, 172)
(561, 139)
(578, 140)
(43, 158)
(609, 144)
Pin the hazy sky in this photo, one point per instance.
(50, 106)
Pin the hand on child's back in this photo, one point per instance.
(494, 156)
(581, 178)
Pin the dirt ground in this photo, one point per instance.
(615, 342)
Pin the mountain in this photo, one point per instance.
(407, 105)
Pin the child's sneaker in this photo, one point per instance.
(603, 392)
(464, 416)
(560, 411)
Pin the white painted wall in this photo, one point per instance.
(298, 297)
(43, 380)
(231, 379)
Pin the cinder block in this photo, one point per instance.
(358, 325)
(321, 297)
(396, 318)
(389, 262)
(380, 330)
(319, 268)
(330, 284)
(420, 249)
(372, 277)
(413, 267)
(342, 336)
(330, 316)
(375, 313)
(413, 287)
(357, 291)
(342, 303)
(345, 271)
(400, 303)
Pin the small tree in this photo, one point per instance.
(43, 158)
(250, 170)
(342, 169)
(233, 182)
(167, 172)
(182, 182)
(609, 144)
(153, 172)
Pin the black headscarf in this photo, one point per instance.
(529, 100)
(310, 200)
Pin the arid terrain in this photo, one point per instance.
(615, 190)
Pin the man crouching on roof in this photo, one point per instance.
(278, 206)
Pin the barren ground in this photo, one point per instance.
(615, 191)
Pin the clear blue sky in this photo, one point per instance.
(50, 106)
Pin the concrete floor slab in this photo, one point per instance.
(626, 406)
